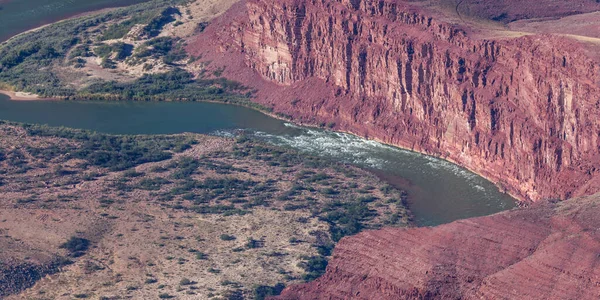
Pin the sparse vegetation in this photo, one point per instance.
(194, 209)
(26, 61)
(113, 152)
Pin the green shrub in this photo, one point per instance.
(253, 244)
(314, 267)
(122, 50)
(110, 151)
(152, 184)
(76, 244)
(227, 237)
(150, 281)
(347, 218)
(103, 50)
(156, 25)
(120, 29)
(261, 292)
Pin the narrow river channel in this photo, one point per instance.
(439, 191)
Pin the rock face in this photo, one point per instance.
(520, 111)
(549, 251)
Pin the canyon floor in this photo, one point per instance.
(85, 215)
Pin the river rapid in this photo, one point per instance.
(439, 191)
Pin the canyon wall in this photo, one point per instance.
(520, 111)
(547, 251)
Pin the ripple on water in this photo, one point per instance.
(441, 191)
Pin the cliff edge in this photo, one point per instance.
(548, 251)
(517, 107)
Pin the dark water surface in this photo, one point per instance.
(439, 191)
(17, 16)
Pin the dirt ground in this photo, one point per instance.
(159, 230)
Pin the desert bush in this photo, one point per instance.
(261, 292)
(155, 26)
(151, 184)
(253, 244)
(76, 244)
(111, 151)
(314, 267)
(227, 237)
(150, 281)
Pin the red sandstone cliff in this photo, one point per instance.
(548, 251)
(520, 111)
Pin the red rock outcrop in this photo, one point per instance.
(520, 111)
(548, 251)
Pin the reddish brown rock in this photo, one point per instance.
(520, 111)
(549, 251)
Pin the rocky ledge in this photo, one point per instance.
(548, 251)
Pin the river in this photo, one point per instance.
(439, 191)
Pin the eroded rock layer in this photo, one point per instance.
(520, 111)
(549, 251)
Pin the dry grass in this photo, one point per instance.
(144, 242)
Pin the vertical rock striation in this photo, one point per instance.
(520, 111)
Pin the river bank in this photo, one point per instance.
(89, 13)
(20, 96)
(435, 184)
(23, 96)
(22, 18)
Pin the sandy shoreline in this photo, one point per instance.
(23, 96)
